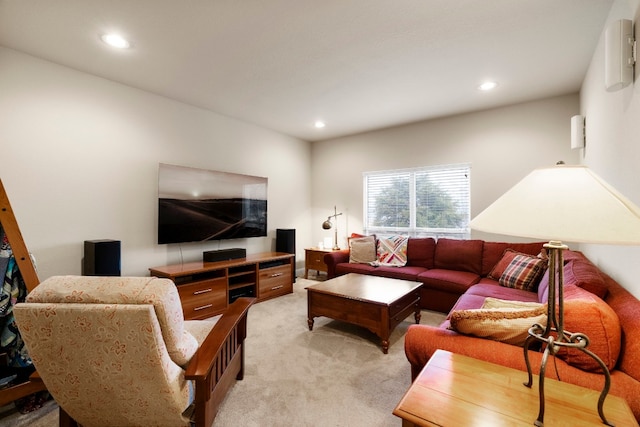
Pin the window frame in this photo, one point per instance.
(413, 230)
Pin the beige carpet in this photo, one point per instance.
(335, 375)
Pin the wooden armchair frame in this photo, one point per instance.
(219, 361)
(30, 277)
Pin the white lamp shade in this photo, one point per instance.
(567, 203)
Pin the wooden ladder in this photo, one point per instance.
(30, 277)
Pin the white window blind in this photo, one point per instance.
(430, 201)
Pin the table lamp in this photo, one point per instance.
(563, 203)
(327, 226)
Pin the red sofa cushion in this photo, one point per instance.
(346, 267)
(626, 307)
(586, 313)
(420, 251)
(448, 280)
(460, 255)
(403, 273)
(467, 302)
(581, 272)
(490, 288)
(578, 271)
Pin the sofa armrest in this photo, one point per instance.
(331, 259)
(422, 341)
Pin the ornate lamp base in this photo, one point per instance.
(554, 335)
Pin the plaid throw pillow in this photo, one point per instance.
(524, 272)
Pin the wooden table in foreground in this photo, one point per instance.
(376, 303)
(454, 390)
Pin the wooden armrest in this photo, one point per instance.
(202, 362)
(35, 377)
(21, 390)
(219, 361)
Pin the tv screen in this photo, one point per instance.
(197, 205)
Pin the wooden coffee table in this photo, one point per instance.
(456, 390)
(376, 303)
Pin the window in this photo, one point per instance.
(431, 201)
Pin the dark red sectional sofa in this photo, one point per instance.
(447, 268)
(454, 276)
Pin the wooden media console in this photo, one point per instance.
(207, 288)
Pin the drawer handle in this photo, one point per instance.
(277, 287)
(203, 307)
(277, 274)
(203, 291)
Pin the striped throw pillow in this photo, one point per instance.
(392, 251)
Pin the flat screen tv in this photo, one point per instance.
(197, 205)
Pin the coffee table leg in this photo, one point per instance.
(385, 346)
(385, 331)
(418, 314)
(310, 323)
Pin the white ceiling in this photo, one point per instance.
(357, 64)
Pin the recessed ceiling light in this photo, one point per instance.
(488, 86)
(319, 124)
(115, 40)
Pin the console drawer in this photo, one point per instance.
(203, 299)
(275, 281)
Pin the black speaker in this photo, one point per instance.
(224, 254)
(286, 241)
(101, 258)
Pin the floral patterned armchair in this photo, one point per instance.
(116, 351)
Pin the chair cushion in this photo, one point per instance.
(200, 328)
(161, 293)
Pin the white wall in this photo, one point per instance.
(79, 157)
(613, 147)
(502, 145)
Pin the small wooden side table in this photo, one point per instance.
(314, 260)
(456, 390)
